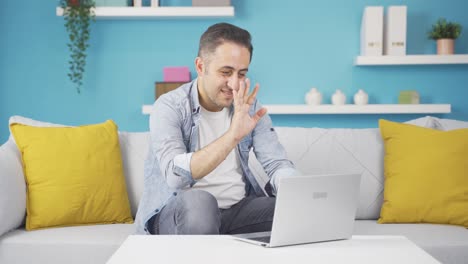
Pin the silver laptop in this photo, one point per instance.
(311, 208)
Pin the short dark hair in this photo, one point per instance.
(219, 33)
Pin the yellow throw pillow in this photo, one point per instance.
(426, 175)
(74, 175)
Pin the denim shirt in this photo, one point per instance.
(174, 123)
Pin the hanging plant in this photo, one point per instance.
(78, 15)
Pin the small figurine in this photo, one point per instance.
(338, 98)
(313, 97)
(361, 98)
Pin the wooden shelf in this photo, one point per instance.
(411, 60)
(160, 12)
(350, 109)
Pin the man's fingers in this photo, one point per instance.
(235, 96)
(260, 113)
(247, 88)
(241, 92)
(252, 97)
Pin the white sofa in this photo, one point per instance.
(313, 150)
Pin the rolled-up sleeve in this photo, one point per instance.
(280, 173)
(167, 143)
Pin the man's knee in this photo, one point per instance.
(197, 213)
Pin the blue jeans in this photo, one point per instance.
(196, 212)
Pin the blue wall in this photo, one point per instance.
(298, 44)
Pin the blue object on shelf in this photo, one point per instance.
(113, 2)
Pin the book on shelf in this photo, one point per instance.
(395, 31)
(372, 31)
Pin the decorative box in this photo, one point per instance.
(176, 74)
(408, 97)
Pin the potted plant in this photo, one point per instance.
(445, 33)
(78, 14)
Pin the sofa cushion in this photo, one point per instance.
(83, 180)
(449, 124)
(133, 145)
(425, 175)
(446, 243)
(12, 188)
(340, 151)
(13, 196)
(335, 151)
(73, 245)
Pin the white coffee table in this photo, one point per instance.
(227, 250)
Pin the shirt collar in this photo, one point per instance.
(194, 102)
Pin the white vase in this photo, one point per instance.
(137, 3)
(361, 98)
(338, 98)
(313, 97)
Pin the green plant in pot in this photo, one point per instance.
(78, 14)
(445, 33)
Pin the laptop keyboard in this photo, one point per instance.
(265, 239)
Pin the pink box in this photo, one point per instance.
(176, 74)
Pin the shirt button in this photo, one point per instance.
(174, 193)
(157, 210)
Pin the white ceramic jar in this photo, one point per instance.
(338, 98)
(361, 98)
(154, 3)
(313, 97)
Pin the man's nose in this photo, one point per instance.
(233, 82)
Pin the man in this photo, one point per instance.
(197, 179)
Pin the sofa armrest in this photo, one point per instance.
(12, 188)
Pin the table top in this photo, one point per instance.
(142, 249)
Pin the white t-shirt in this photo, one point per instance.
(224, 182)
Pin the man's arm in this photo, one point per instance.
(167, 142)
(270, 153)
(208, 158)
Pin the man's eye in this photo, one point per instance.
(241, 75)
(226, 73)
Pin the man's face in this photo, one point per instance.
(219, 73)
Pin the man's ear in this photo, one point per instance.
(199, 65)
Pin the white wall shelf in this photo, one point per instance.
(160, 12)
(360, 109)
(411, 60)
(350, 109)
